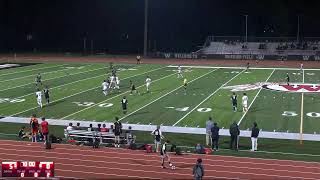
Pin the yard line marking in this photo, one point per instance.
(301, 120)
(208, 97)
(30, 70)
(84, 92)
(165, 95)
(51, 79)
(230, 67)
(113, 97)
(35, 74)
(244, 114)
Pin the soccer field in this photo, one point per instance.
(76, 94)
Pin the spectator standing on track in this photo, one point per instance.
(45, 129)
(234, 132)
(117, 132)
(254, 137)
(22, 134)
(209, 125)
(157, 138)
(198, 170)
(34, 126)
(215, 137)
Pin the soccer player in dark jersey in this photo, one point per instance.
(38, 80)
(287, 78)
(248, 66)
(234, 102)
(124, 104)
(133, 88)
(46, 94)
(138, 59)
(164, 155)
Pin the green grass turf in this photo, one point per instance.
(72, 84)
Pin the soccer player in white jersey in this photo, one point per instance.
(180, 72)
(245, 102)
(39, 97)
(117, 86)
(301, 68)
(105, 86)
(112, 81)
(148, 82)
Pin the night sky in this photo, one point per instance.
(116, 26)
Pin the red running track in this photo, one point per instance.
(110, 163)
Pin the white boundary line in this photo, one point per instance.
(85, 91)
(165, 95)
(207, 98)
(52, 78)
(29, 70)
(230, 67)
(35, 75)
(255, 97)
(97, 104)
(301, 112)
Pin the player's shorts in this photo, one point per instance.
(185, 84)
(47, 97)
(34, 132)
(39, 100)
(124, 107)
(105, 88)
(245, 105)
(148, 84)
(234, 104)
(133, 88)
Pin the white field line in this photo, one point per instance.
(65, 84)
(53, 78)
(35, 74)
(301, 119)
(165, 95)
(230, 67)
(84, 91)
(31, 70)
(113, 97)
(207, 98)
(255, 97)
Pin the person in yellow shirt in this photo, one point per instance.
(185, 83)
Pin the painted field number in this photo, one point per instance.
(293, 113)
(87, 104)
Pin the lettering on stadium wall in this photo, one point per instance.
(180, 55)
(244, 56)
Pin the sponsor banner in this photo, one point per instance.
(180, 55)
(244, 56)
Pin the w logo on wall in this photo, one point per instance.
(305, 58)
(260, 57)
(299, 88)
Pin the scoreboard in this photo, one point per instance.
(27, 169)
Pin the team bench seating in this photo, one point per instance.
(91, 136)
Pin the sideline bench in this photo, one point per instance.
(92, 136)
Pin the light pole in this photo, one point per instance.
(298, 28)
(145, 43)
(246, 38)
